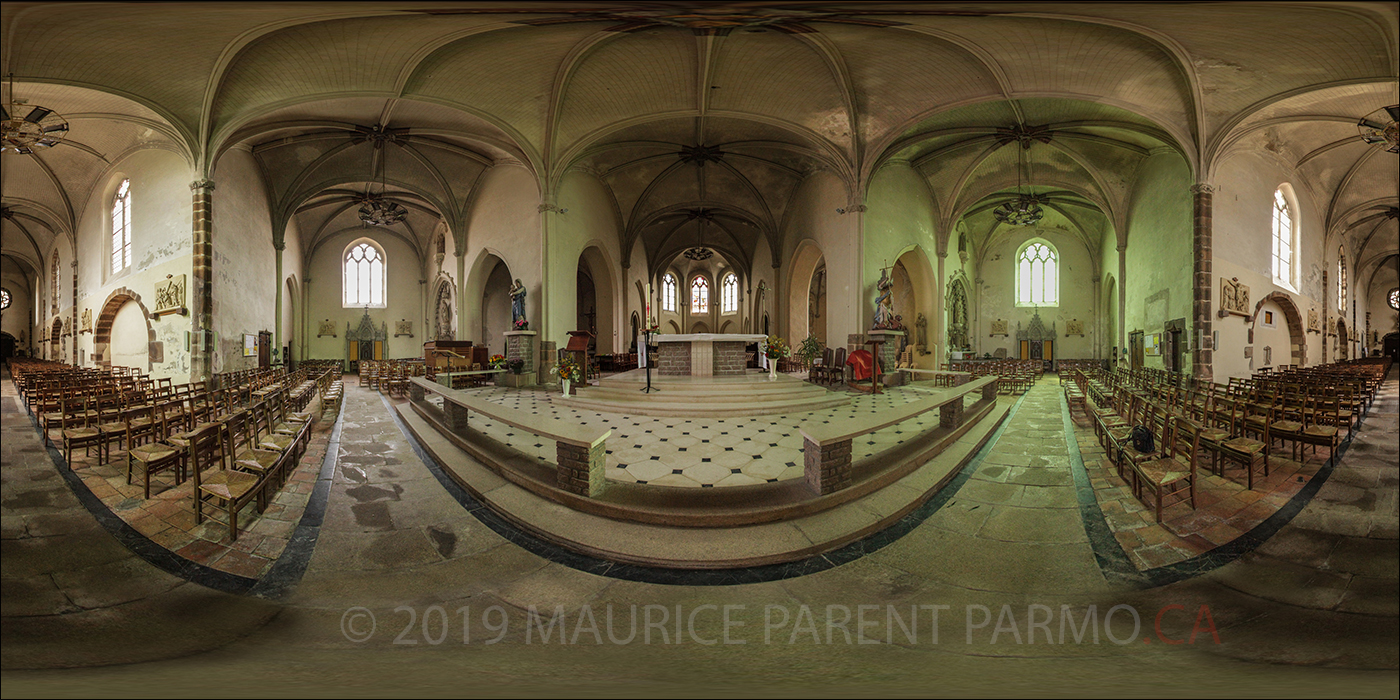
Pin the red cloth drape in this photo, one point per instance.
(860, 362)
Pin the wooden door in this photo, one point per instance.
(264, 349)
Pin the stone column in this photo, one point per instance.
(1122, 302)
(76, 332)
(279, 246)
(950, 415)
(940, 313)
(202, 282)
(1201, 195)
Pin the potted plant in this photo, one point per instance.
(522, 325)
(515, 365)
(809, 349)
(568, 372)
(775, 349)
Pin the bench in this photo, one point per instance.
(579, 450)
(826, 449)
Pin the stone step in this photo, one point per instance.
(689, 408)
(710, 396)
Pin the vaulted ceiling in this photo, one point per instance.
(687, 107)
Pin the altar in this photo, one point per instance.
(703, 354)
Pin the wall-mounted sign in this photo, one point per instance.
(250, 344)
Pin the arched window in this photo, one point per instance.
(4, 298)
(699, 295)
(1341, 279)
(1037, 275)
(729, 294)
(1285, 241)
(364, 275)
(668, 292)
(53, 275)
(121, 227)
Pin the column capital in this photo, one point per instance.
(198, 185)
(279, 245)
(1203, 188)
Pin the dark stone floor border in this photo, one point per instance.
(1114, 562)
(287, 571)
(704, 577)
(279, 580)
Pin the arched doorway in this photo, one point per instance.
(1110, 336)
(1342, 343)
(636, 329)
(806, 260)
(291, 303)
(56, 340)
(1390, 346)
(123, 335)
(959, 333)
(1297, 353)
(915, 290)
(486, 311)
(597, 312)
(7, 347)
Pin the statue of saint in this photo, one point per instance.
(517, 304)
(444, 314)
(884, 308)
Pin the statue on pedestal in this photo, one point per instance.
(517, 306)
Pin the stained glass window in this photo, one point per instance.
(699, 296)
(4, 298)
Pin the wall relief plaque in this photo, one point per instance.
(1234, 298)
(170, 296)
(999, 327)
(404, 327)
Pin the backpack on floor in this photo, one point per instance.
(1142, 440)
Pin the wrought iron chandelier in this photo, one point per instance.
(698, 253)
(1025, 209)
(40, 127)
(1379, 128)
(378, 209)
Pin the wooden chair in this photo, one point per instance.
(1174, 472)
(1245, 451)
(77, 429)
(1322, 426)
(157, 456)
(214, 483)
(247, 456)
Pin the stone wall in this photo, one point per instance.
(673, 359)
(730, 359)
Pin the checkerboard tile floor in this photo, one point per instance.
(701, 452)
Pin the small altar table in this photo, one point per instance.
(703, 354)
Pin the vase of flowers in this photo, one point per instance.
(499, 362)
(522, 325)
(775, 349)
(568, 371)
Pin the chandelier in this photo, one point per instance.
(698, 253)
(377, 209)
(1025, 209)
(1380, 130)
(40, 127)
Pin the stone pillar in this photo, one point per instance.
(827, 467)
(456, 416)
(279, 246)
(1122, 303)
(416, 393)
(202, 282)
(520, 345)
(989, 392)
(889, 357)
(580, 469)
(950, 415)
(1203, 278)
(76, 333)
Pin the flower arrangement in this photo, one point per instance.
(568, 369)
(777, 348)
(498, 362)
(516, 365)
(522, 325)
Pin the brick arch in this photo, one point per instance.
(1297, 341)
(102, 330)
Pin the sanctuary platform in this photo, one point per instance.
(752, 393)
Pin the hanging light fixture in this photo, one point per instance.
(1025, 209)
(378, 209)
(1379, 128)
(40, 127)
